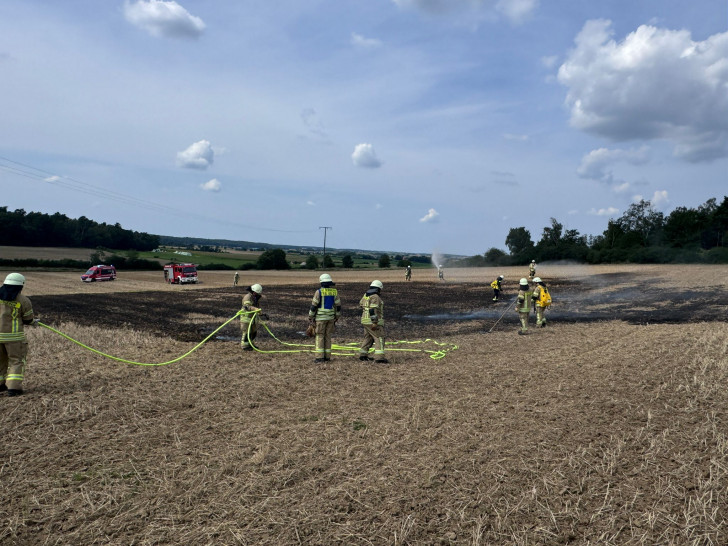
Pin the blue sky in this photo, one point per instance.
(405, 125)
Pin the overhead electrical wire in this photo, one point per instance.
(73, 184)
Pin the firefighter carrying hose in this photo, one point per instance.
(496, 286)
(15, 312)
(372, 318)
(523, 304)
(325, 310)
(250, 316)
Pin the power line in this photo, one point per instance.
(73, 184)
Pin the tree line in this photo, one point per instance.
(640, 235)
(20, 228)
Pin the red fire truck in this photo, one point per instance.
(180, 273)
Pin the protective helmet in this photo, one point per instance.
(257, 289)
(537, 279)
(533, 261)
(501, 277)
(16, 279)
(523, 282)
(377, 284)
(325, 278)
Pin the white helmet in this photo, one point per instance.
(325, 278)
(537, 279)
(501, 277)
(523, 282)
(15, 279)
(377, 284)
(257, 289)
(533, 261)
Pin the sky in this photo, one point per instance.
(413, 126)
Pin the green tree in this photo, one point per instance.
(520, 245)
(312, 262)
(347, 261)
(329, 262)
(384, 261)
(495, 256)
(273, 259)
(404, 263)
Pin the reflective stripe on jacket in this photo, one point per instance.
(524, 301)
(372, 309)
(325, 304)
(12, 316)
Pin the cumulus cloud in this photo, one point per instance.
(359, 41)
(162, 18)
(431, 216)
(212, 185)
(199, 155)
(654, 84)
(659, 198)
(597, 165)
(609, 211)
(364, 156)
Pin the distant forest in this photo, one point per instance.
(18, 228)
(640, 235)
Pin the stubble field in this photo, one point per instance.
(607, 427)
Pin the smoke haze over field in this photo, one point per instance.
(403, 124)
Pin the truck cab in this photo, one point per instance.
(180, 273)
(99, 272)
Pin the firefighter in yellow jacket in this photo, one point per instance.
(250, 316)
(541, 299)
(325, 310)
(372, 318)
(523, 304)
(15, 312)
(496, 286)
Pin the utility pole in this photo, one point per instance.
(326, 229)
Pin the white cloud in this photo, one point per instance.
(549, 61)
(52, 179)
(364, 156)
(310, 203)
(199, 155)
(659, 198)
(596, 165)
(212, 185)
(378, 206)
(655, 84)
(516, 11)
(311, 120)
(431, 216)
(162, 18)
(357, 40)
(609, 211)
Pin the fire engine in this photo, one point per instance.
(99, 273)
(180, 273)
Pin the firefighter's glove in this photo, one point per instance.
(35, 321)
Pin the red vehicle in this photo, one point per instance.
(180, 273)
(99, 273)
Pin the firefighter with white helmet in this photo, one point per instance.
(541, 299)
(236, 278)
(325, 310)
(523, 304)
(15, 312)
(372, 318)
(496, 286)
(532, 269)
(250, 316)
(408, 273)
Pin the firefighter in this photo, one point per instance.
(540, 302)
(236, 278)
(325, 310)
(408, 273)
(372, 318)
(250, 316)
(440, 273)
(523, 304)
(496, 286)
(532, 269)
(15, 312)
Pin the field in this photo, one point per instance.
(609, 426)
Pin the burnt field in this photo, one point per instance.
(418, 309)
(610, 426)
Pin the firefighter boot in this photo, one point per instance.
(15, 392)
